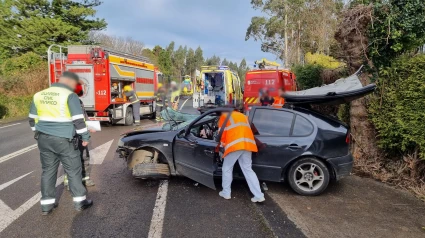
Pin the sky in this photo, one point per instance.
(218, 26)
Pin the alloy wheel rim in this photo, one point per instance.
(309, 177)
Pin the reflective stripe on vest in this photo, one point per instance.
(52, 105)
(239, 140)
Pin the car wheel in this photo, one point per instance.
(151, 171)
(129, 117)
(139, 157)
(308, 176)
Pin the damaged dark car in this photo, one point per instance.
(296, 144)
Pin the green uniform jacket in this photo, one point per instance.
(64, 129)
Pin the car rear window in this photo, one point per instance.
(270, 122)
(302, 127)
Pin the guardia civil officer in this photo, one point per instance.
(56, 116)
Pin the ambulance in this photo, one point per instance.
(267, 75)
(217, 86)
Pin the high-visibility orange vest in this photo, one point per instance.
(278, 102)
(237, 134)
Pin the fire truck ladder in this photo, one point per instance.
(52, 58)
(264, 62)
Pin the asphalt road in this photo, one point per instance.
(123, 206)
(179, 207)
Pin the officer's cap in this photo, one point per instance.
(70, 75)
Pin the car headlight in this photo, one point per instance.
(120, 142)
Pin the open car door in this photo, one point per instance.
(194, 157)
(342, 91)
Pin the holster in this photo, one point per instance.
(36, 135)
(75, 142)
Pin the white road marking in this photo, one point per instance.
(98, 154)
(157, 222)
(184, 103)
(5, 185)
(10, 125)
(16, 153)
(7, 215)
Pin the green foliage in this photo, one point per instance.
(33, 25)
(308, 76)
(14, 106)
(26, 61)
(190, 62)
(242, 69)
(214, 60)
(344, 113)
(325, 61)
(165, 63)
(398, 110)
(399, 27)
(307, 24)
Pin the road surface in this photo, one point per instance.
(179, 207)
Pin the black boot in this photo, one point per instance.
(79, 206)
(47, 209)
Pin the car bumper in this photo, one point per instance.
(342, 166)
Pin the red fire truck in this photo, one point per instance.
(104, 73)
(268, 76)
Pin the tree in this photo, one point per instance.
(33, 25)
(149, 54)
(289, 29)
(165, 63)
(190, 61)
(179, 60)
(242, 69)
(170, 47)
(126, 45)
(225, 62)
(214, 60)
(157, 50)
(199, 57)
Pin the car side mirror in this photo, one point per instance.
(181, 133)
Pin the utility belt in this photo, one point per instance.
(75, 140)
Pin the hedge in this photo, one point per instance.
(398, 110)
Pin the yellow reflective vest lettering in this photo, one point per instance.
(52, 105)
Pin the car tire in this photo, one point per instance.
(151, 171)
(308, 176)
(140, 157)
(129, 120)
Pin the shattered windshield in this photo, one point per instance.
(175, 120)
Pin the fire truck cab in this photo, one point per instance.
(103, 74)
(267, 75)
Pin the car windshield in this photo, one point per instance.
(175, 120)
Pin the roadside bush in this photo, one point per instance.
(325, 61)
(16, 106)
(25, 82)
(17, 87)
(21, 63)
(308, 76)
(398, 111)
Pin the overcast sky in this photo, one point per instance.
(218, 26)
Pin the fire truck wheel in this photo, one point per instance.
(129, 117)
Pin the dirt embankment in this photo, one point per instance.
(352, 36)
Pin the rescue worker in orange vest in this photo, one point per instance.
(281, 100)
(238, 143)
